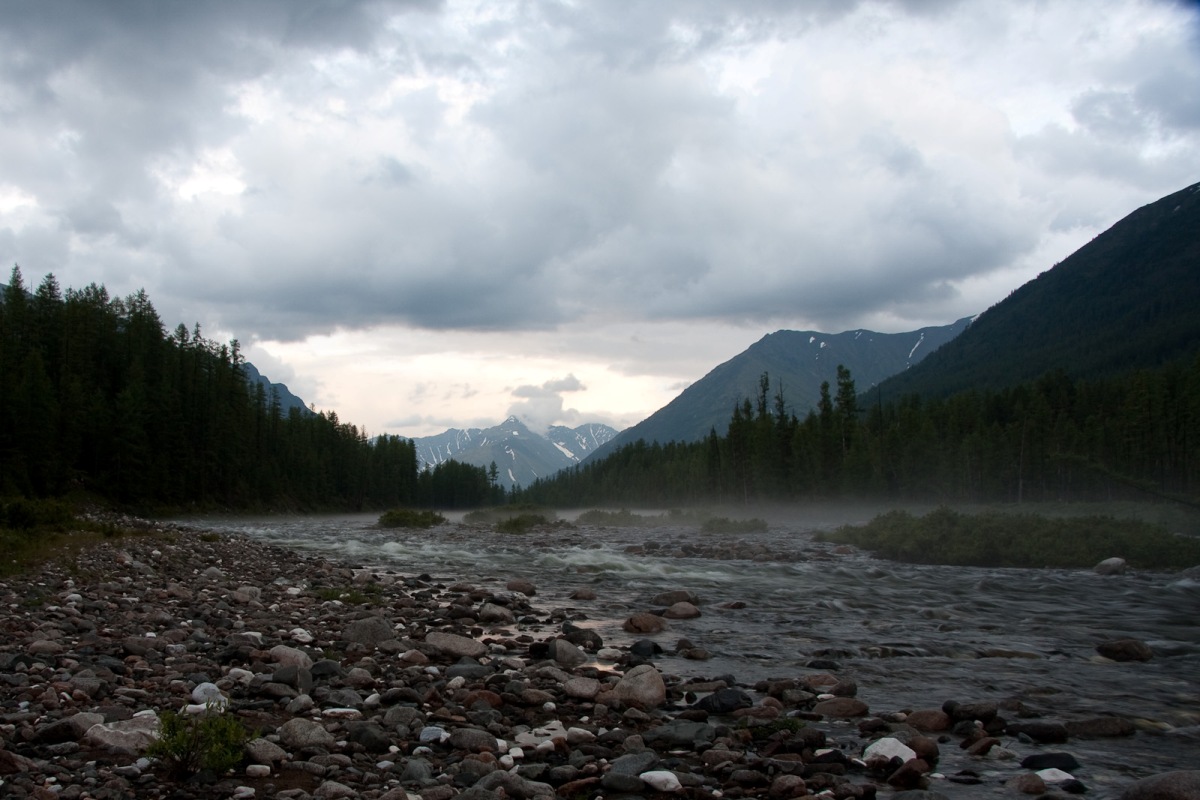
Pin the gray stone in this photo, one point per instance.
(290, 656)
(300, 734)
(1111, 566)
(680, 733)
(369, 631)
(473, 740)
(641, 687)
(1179, 785)
(261, 751)
(454, 645)
(130, 736)
(566, 653)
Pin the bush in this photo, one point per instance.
(189, 743)
(521, 523)
(1017, 540)
(725, 525)
(410, 518)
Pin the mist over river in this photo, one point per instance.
(911, 636)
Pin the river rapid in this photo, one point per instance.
(911, 636)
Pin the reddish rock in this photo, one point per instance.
(841, 708)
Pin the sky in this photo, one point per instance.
(424, 215)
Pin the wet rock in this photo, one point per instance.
(841, 708)
(675, 596)
(1101, 727)
(724, 701)
(1180, 785)
(522, 586)
(1028, 783)
(1040, 731)
(566, 653)
(1125, 650)
(681, 610)
(930, 720)
(1111, 566)
(583, 594)
(645, 623)
(1037, 761)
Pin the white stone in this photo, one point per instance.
(209, 694)
(1054, 775)
(342, 713)
(258, 771)
(300, 635)
(662, 780)
(887, 749)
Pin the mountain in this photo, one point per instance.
(287, 400)
(1128, 299)
(521, 455)
(799, 361)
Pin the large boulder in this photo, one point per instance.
(1180, 785)
(1125, 650)
(369, 631)
(641, 687)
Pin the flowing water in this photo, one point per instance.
(911, 636)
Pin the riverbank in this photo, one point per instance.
(386, 684)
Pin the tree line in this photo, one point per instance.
(96, 396)
(1055, 438)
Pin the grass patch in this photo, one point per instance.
(726, 525)
(410, 518)
(952, 538)
(33, 532)
(786, 725)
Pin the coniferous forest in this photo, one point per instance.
(97, 398)
(1135, 436)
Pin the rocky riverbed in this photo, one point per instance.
(386, 684)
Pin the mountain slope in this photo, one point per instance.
(1130, 298)
(287, 400)
(799, 361)
(521, 456)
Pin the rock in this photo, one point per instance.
(929, 720)
(1029, 783)
(1111, 566)
(369, 631)
(786, 786)
(675, 596)
(724, 701)
(68, 729)
(262, 751)
(1040, 731)
(887, 749)
(329, 790)
(1101, 727)
(582, 688)
(661, 780)
(680, 733)
(124, 736)
(454, 645)
(523, 586)
(583, 593)
(1180, 785)
(625, 771)
(290, 656)
(209, 695)
(641, 687)
(12, 763)
(1125, 650)
(473, 740)
(645, 623)
(1037, 761)
(495, 614)
(681, 610)
(301, 734)
(566, 653)
(841, 708)
(369, 735)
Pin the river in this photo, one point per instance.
(911, 636)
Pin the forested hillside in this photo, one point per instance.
(96, 397)
(1056, 438)
(1127, 300)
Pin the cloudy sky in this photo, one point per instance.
(430, 214)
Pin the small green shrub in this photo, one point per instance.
(410, 518)
(522, 523)
(189, 743)
(765, 731)
(725, 525)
